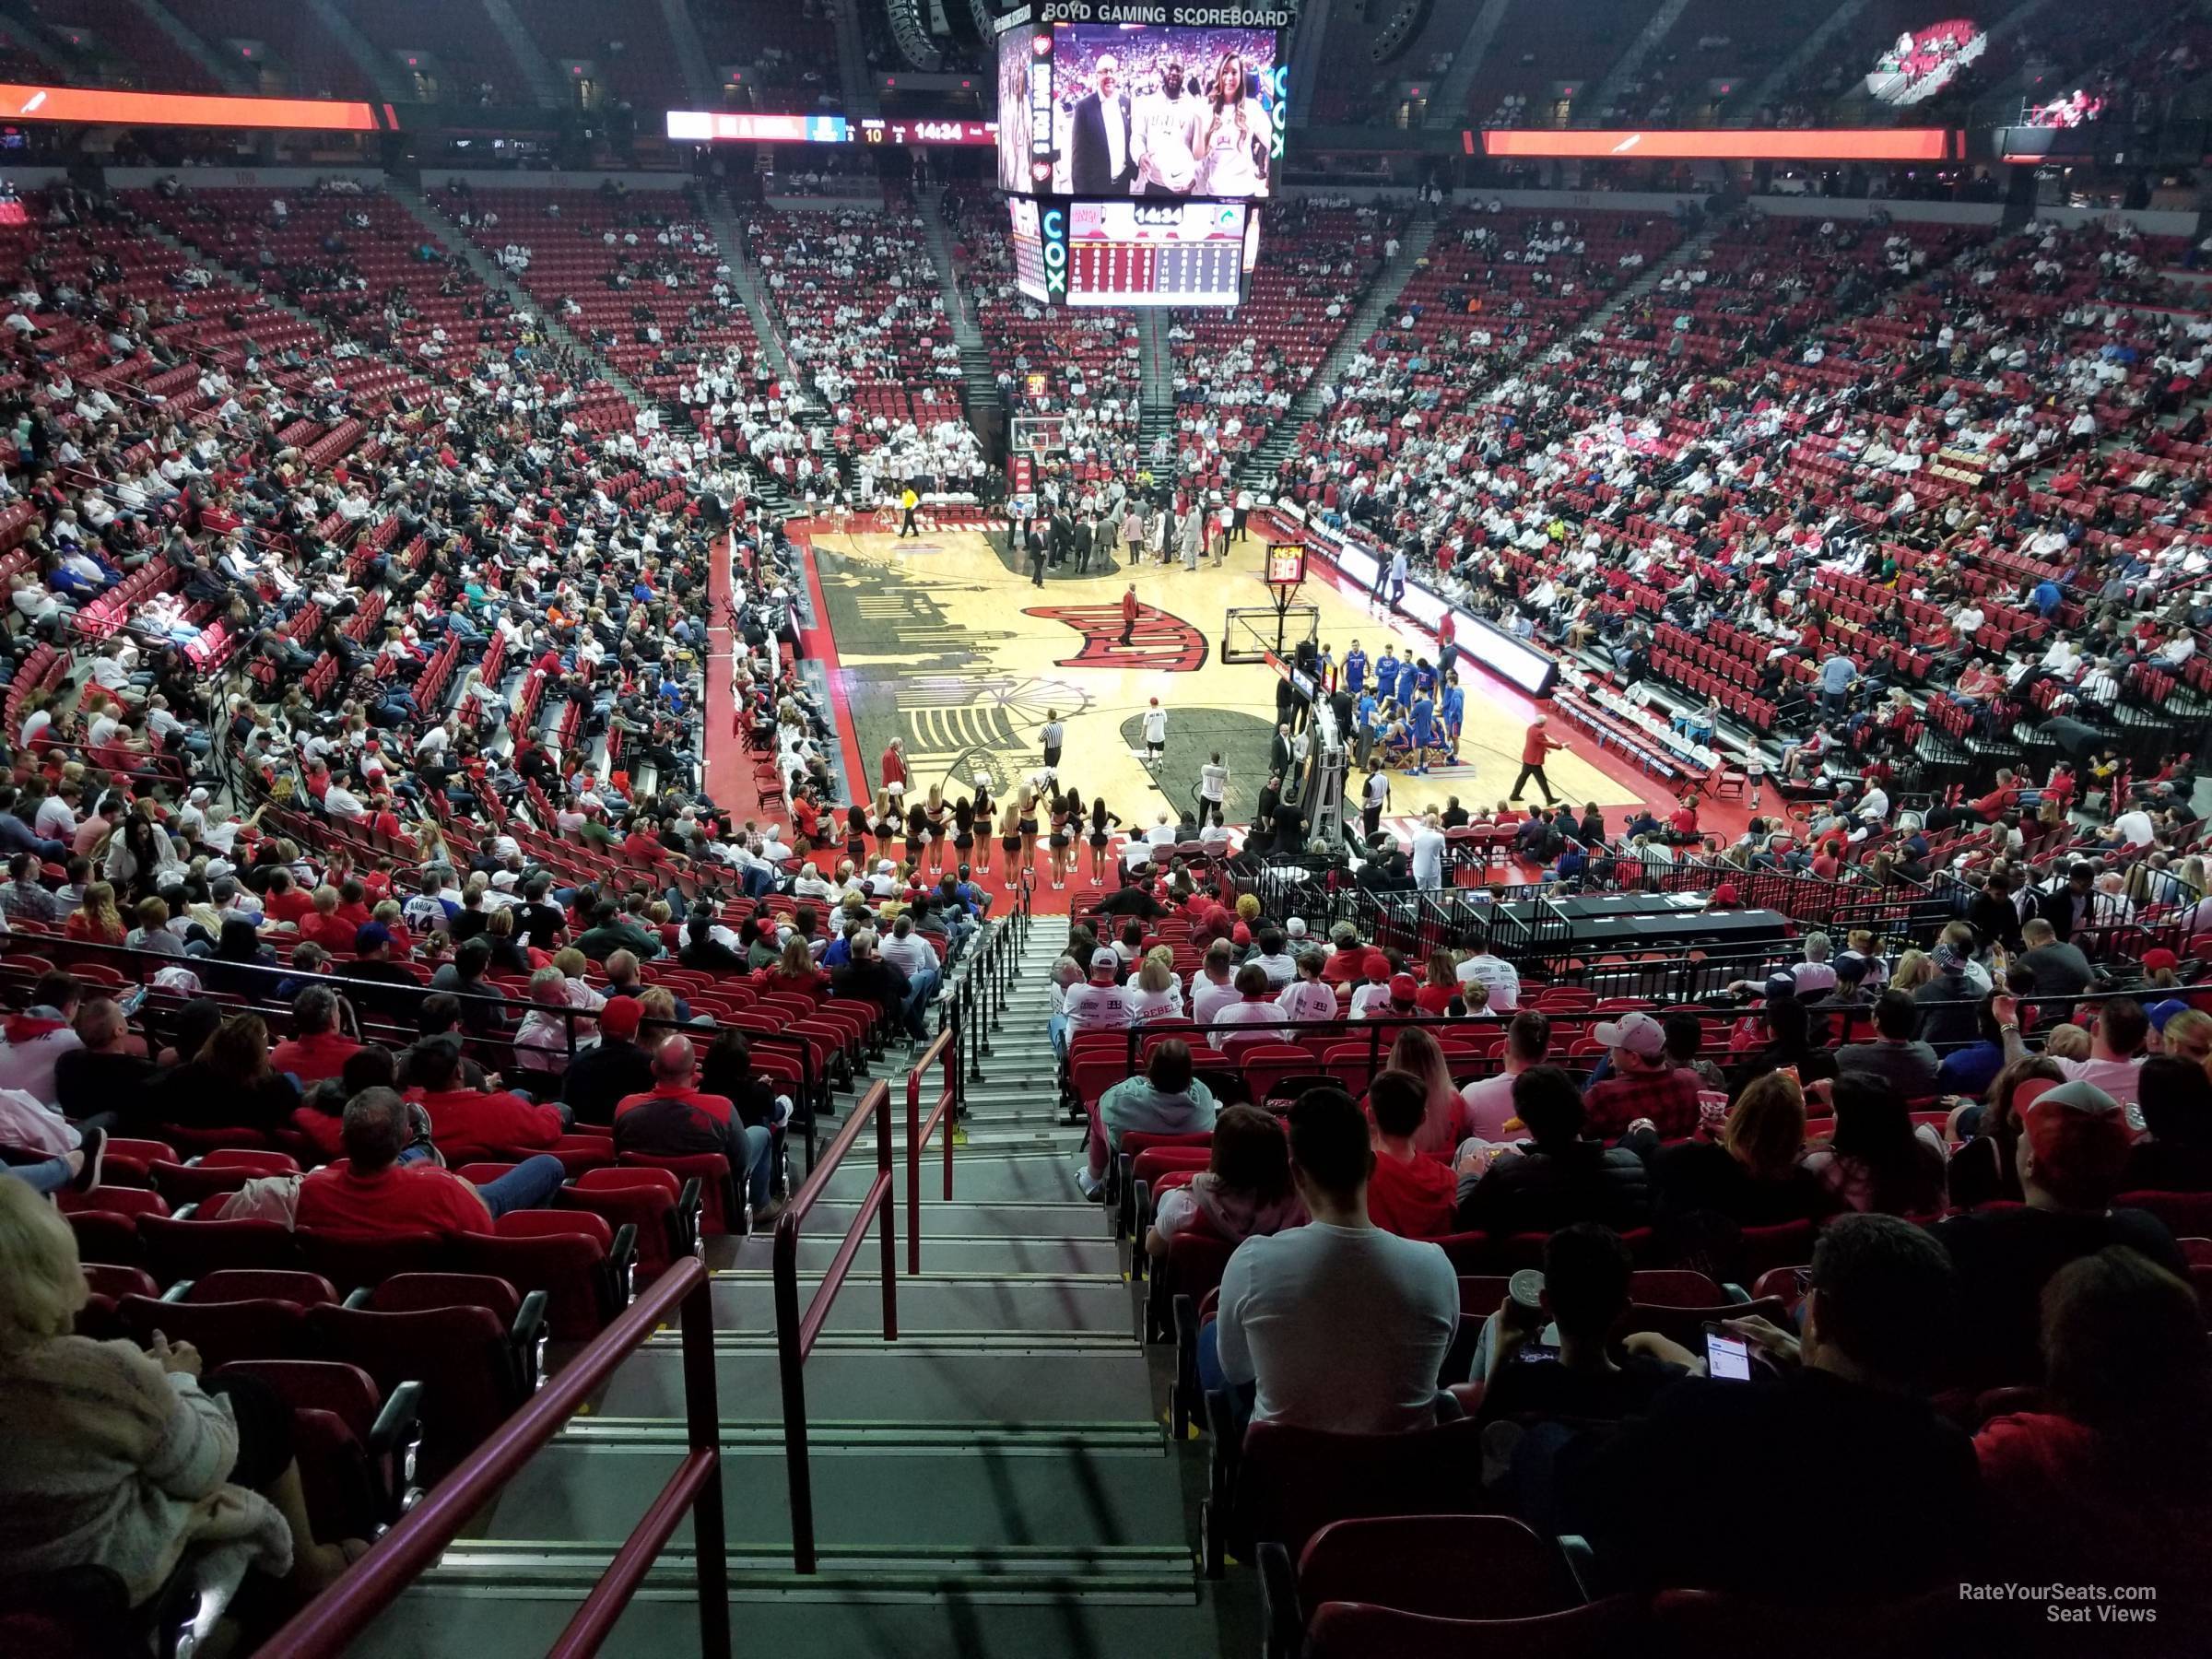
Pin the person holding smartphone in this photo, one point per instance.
(1880, 1489)
(1585, 1295)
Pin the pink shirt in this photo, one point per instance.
(1490, 1104)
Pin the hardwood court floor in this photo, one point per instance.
(945, 643)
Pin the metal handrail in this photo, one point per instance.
(947, 1047)
(797, 1332)
(335, 1619)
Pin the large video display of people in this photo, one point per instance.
(1139, 110)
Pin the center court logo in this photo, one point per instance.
(1160, 641)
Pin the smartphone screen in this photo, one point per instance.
(1727, 1359)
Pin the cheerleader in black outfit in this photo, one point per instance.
(1101, 822)
(964, 834)
(934, 812)
(1062, 849)
(856, 836)
(917, 835)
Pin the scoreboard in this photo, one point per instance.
(1133, 253)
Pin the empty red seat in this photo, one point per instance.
(581, 1262)
(355, 1446)
(462, 1355)
(664, 1212)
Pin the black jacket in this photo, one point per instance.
(602, 1075)
(1544, 1191)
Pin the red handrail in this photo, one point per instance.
(329, 1623)
(945, 1048)
(796, 1333)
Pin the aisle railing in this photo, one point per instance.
(331, 1623)
(797, 1330)
(946, 1050)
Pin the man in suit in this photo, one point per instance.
(1101, 165)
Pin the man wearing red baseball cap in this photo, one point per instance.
(2073, 1151)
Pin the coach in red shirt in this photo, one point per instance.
(372, 1190)
(1534, 748)
(672, 1119)
(474, 1123)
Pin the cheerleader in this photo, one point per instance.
(1025, 821)
(1102, 822)
(934, 812)
(856, 835)
(1060, 851)
(917, 835)
(885, 824)
(1009, 842)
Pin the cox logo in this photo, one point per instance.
(1054, 222)
(1278, 86)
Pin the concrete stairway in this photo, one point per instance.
(995, 1484)
(213, 62)
(979, 387)
(1648, 38)
(380, 67)
(1448, 107)
(1807, 51)
(1258, 471)
(699, 75)
(546, 90)
(1156, 400)
(449, 236)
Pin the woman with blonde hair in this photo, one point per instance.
(97, 921)
(1156, 994)
(1026, 823)
(1448, 1121)
(122, 1459)
(1914, 968)
(934, 814)
(1235, 135)
(883, 823)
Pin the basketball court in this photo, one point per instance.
(943, 641)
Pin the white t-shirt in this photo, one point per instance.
(1343, 1328)
(2136, 827)
(1500, 975)
(1429, 857)
(1208, 998)
(1099, 1007)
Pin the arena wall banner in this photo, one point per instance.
(93, 105)
(1806, 144)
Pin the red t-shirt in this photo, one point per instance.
(333, 933)
(397, 1198)
(1415, 1200)
(312, 1059)
(294, 904)
(325, 1131)
(467, 1124)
